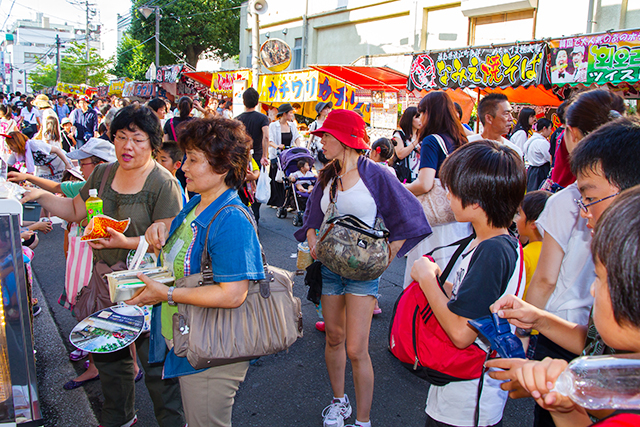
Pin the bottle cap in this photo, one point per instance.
(93, 192)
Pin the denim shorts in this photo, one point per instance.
(334, 284)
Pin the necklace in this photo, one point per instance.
(340, 176)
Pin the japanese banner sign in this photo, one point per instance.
(491, 67)
(309, 86)
(143, 90)
(116, 87)
(168, 73)
(596, 59)
(74, 89)
(222, 82)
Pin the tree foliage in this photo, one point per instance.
(73, 68)
(189, 28)
(133, 59)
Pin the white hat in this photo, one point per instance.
(95, 147)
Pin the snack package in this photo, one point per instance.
(97, 227)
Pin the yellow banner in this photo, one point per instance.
(222, 82)
(116, 87)
(342, 95)
(75, 89)
(299, 86)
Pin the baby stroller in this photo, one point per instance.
(288, 163)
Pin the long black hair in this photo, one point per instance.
(406, 122)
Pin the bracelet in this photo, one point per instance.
(170, 296)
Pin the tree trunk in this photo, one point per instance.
(193, 52)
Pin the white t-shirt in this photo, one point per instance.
(299, 174)
(30, 116)
(455, 402)
(356, 201)
(519, 138)
(561, 218)
(536, 150)
(503, 140)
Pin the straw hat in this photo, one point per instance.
(42, 101)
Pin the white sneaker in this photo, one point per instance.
(335, 414)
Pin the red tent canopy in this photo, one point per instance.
(366, 77)
(203, 77)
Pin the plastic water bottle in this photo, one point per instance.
(602, 382)
(93, 204)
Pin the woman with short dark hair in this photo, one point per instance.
(217, 152)
(138, 188)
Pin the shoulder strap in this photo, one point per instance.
(462, 245)
(173, 130)
(442, 144)
(105, 177)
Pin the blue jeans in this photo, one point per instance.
(334, 284)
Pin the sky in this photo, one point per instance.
(61, 11)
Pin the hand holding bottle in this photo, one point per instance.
(539, 378)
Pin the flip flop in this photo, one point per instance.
(140, 375)
(71, 384)
(77, 355)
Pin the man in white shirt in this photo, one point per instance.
(494, 112)
(537, 154)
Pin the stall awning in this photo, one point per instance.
(364, 77)
(203, 77)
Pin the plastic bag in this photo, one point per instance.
(263, 187)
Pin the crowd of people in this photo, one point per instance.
(533, 233)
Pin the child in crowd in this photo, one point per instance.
(486, 183)
(616, 312)
(538, 155)
(51, 134)
(170, 157)
(381, 152)
(528, 212)
(304, 171)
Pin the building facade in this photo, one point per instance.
(28, 42)
(384, 32)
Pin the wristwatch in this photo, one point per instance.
(170, 296)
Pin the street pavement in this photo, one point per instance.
(286, 389)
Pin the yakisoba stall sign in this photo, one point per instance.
(490, 67)
(596, 59)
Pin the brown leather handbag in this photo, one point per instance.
(268, 321)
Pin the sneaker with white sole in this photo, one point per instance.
(133, 421)
(335, 414)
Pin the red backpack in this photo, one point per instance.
(418, 341)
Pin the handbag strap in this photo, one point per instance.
(462, 245)
(441, 143)
(173, 130)
(105, 177)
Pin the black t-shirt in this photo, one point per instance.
(486, 277)
(254, 122)
(176, 121)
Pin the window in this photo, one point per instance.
(249, 59)
(502, 28)
(297, 54)
(444, 28)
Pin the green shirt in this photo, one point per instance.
(71, 188)
(173, 254)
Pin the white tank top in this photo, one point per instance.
(356, 201)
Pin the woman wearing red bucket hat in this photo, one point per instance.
(367, 191)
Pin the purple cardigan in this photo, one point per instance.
(400, 210)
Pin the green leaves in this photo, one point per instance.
(73, 68)
(189, 28)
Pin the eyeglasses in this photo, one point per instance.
(584, 207)
(88, 163)
(122, 139)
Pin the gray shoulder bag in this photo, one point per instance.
(268, 321)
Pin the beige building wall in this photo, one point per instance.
(382, 32)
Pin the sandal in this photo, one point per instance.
(71, 384)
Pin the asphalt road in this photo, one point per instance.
(286, 389)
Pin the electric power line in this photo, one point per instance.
(207, 13)
(8, 15)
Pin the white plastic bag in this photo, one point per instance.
(263, 187)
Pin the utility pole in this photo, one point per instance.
(87, 40)
(157, 11)
(57, 59)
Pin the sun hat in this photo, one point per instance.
(322, 105)
(347, 127)
(95, 147)
(75, 171)
(284, 109)
(65, 121)
(42, 101)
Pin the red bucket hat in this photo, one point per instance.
(347, 127)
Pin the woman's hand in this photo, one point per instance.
(26, 235)
(116, 240)
(44, 226)
(510, 384)
(156, 235)
(153, 293)
(519, 313)
(312, 239)
(538, 378)
(17, 176)
(32, 195)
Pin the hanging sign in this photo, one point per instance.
(222, 82)
(116, 87)
(490, 67)
(168, 74)
(143, 90)
(74, 89)
(300, 86)
(597, 59)
(275, 55)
